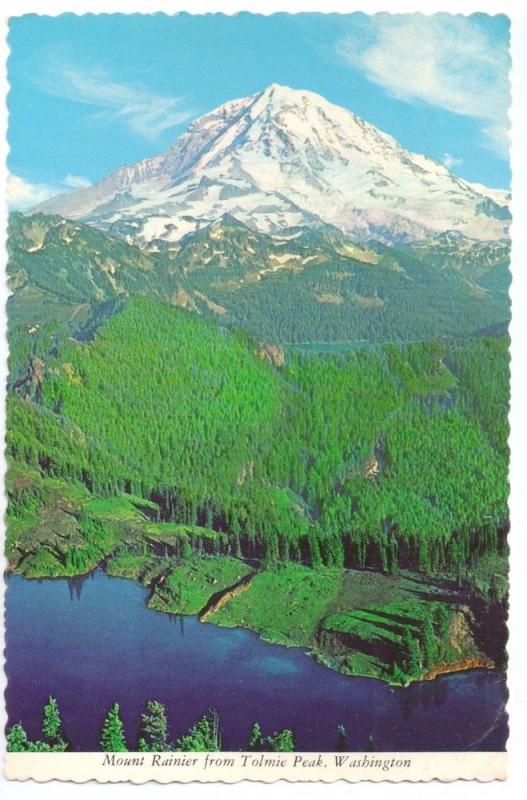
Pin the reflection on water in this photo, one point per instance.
(76, 583)
(423, 696)
(94, 642)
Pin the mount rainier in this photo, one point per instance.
(285, 158)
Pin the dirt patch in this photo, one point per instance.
(214, 307)
(330, 299)
(221, 599)
(366, 302)
(464, 664)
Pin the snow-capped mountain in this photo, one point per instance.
(285, 158)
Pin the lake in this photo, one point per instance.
(91, 641)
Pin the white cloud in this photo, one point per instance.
(22, 194)
(146, 113)
(444, 60)
(451, 161)
(76, 182)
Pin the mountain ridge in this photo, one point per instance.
(305, 285)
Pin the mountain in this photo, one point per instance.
(58, 269)
(318, 285)
(286, 158)
(66, 278)
(304, 285)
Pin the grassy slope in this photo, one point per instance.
(52, 517)
(283, 603)
(133, 566)
(187, 588)
(297, 606)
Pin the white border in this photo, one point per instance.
(516, 784)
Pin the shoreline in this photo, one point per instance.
(325, 659)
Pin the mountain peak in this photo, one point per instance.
(278, 91)
(282, 158)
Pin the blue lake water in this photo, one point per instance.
(91, 641)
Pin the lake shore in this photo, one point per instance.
(120, 651)
(354, 622)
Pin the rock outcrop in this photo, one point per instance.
(273, 354)
(221, 599)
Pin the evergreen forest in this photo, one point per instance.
(349, 500)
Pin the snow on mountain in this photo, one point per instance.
(284, 158)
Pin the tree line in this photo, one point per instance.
(153, 736)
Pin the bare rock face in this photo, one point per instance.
(31, 383)
(273, 354)
(371, 468)
(36, 370)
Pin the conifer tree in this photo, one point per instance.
(154, 728)
(112, 733)
(52, 726)
(398, 675)
(441, 620)
(203, 737)
(413, 656)
(429, 643)
(282, 741)
(256, 740)
(17, 741)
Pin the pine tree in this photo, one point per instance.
(282, 741)
(398, 675)
(429, 643)
(203, 737)
(17, 741)
(112, 733)
(441, 620)
(256, 740)
(52, 726)
(154, 728)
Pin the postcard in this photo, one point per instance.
(257, 406)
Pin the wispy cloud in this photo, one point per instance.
(22, 194)
(145, 112)
(76, 182)
(451, 161)
(444, 60)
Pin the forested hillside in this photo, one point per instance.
(369, 458)
(353, 503)
(301, 286)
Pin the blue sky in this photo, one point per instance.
(91, 93)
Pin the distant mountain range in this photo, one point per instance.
(303, 285)
(285, 159)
